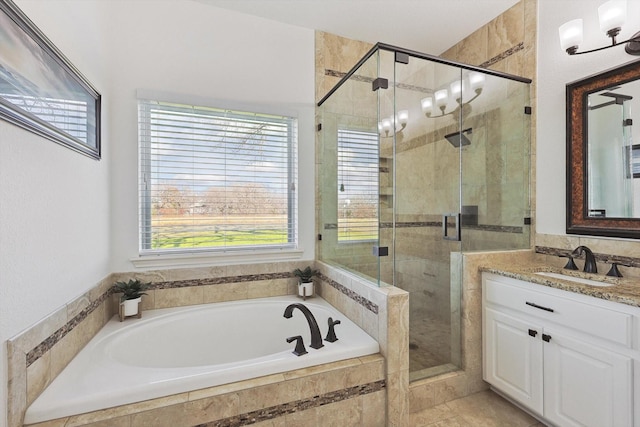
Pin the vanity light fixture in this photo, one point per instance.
(387, 124)
(457, 90)
(612, 16)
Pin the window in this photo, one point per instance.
(215, 179)
(358, 172)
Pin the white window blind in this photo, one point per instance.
(358, 172)
(215, 179)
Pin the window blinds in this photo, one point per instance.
(358, 172)
(215, 179)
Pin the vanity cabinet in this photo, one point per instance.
(568, 358)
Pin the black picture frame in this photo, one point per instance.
(41, 90)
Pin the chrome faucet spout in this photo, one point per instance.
(316, 338)
(589, 259)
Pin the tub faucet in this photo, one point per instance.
(589, 260)
(316, 338)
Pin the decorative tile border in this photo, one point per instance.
(438, 224)
(504, 55)
(48, 343)
(173, 284)
(298, 405)
(369, 305)
(341, 74)
(610, 259)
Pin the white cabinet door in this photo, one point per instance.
(513, 358)
(586, 385)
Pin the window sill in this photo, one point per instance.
(213, 259)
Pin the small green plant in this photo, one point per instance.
(305, 275)
(131, 290)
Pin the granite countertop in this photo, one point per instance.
(625, 291)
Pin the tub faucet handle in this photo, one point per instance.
(299, 350)
(331, 335)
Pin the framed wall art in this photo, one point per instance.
(40, 90)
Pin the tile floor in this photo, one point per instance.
(484, 409)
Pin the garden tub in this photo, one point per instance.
(176, 350)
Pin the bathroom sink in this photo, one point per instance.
(574, 279)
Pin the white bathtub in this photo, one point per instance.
(175, 350)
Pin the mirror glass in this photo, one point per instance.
(613, 169)
(603, 153)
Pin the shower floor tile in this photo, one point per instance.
(429, 343)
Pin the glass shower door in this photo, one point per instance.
(426, 154)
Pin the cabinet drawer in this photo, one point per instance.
(597, 321)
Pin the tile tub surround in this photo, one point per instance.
(38, 355)
(356, 297)
(319, 395)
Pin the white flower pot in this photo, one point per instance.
(305, 289)
(130, 306)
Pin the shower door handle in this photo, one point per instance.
(445, 227)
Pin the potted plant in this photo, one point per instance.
(132, 292)
(305, 282)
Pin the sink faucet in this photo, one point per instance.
(316, 338)
(589, 260)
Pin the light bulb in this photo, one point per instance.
(456, 90)
(442, 97)
(476, 81)
(612, 16)
(386, 124)
(427, 105)
(571, 35)
(403, 117)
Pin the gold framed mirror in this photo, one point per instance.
(603, 163)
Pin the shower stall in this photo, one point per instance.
(420, 159)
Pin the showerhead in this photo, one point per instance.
(457, 138)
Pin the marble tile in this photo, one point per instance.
(506, 31)
(431, 416)
(16, 385)
(168, 416)
(65, 350)
(234, 387)
(489, 409)
(277, 422)
(374, 409)
(204, 410)
(225, 292)
(341, 414)
(146, 406)
(259, 397)
(60, 422)
(304, 418)
(38, 377)
(474, 48)
(268, 288)
(398, 398)
(41, 330)
(178, 297)
(421, 396)
(450, 388)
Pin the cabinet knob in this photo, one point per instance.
(533, 332)
(546, 338)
